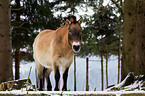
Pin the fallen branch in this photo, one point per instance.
(16, 84)
(28, 78)
(130, 83)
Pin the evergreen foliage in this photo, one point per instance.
(35, 15)
(101, 33)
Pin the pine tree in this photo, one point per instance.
(133, 38)
(27, 19)
(102, 34)
(5, 42)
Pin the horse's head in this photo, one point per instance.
(74, 33)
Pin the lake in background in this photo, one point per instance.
(94, 73)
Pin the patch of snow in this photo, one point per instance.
(120, 84)
(134, 85)
(66, 93)
(94, 73)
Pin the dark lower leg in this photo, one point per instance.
(40, 83)
(57, 77)
(36, 78)
(65, 75)
(49, 87)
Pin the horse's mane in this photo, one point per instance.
(71, 18)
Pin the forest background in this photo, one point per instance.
(112, 29)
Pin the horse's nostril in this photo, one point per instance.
(76, 47)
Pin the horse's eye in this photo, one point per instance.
(69, 36)
(69, 30)
(80, 37)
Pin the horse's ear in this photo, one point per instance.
(67, 21)
(80, 20)
(64, 18)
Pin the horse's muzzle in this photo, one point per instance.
(76, 47)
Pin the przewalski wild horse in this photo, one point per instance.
(54, 50)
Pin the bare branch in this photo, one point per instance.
(16, 9)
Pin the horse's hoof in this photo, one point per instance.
(64, 89)
(40, 89)
(56, 89)
(49, 89)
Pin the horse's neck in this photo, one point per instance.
(62, 32)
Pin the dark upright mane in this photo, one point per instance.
(71, 18)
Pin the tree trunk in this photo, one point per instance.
(140, 38)
(102, 73)
(75, 73)
(17, 64)
(107, 68)
(87, 74)
(119, 56)
(5, 42)
(17, 41)
(133, 57)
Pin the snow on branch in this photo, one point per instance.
(130, 83)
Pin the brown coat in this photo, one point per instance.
(51, 47)
(54, 50)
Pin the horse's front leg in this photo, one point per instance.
(57, 78)
(65, 75)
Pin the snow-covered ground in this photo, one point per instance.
(94, 79)
(71, 93)
(94, 73)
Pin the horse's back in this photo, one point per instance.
(42, 48)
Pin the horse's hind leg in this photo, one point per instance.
(40, 76)
(57, 78)
(47, 73)
(65, 75)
